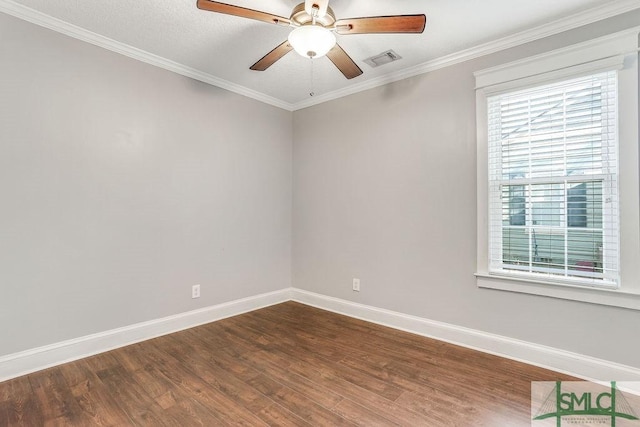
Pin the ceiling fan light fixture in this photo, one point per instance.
(312, 41)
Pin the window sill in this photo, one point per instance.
(610, 297)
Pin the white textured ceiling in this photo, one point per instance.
(225, 46)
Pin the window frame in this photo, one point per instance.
(617, 51)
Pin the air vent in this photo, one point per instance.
(382, 58)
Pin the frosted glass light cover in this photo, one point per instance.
(312, 41)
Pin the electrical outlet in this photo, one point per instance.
(356, 285)
(195, 291)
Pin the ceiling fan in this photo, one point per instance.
(314, 26)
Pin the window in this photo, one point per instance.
(558, 187)
(553, 187)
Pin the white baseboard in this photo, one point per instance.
(36, 359)
(574, 364)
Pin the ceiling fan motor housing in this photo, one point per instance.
(301, 17)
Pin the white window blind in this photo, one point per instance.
(553, 185)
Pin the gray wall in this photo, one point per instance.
(388, 195)
(121, 185)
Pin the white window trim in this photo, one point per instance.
(615, 51)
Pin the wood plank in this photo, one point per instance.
(195, 357)
(55, 398)
(366, 398)
(312, 353)
(318, 393)
(158, 373)
(277, 416)
(19, 406)
(131, 397)
(361, 415)
(97, 404)
(298, 404)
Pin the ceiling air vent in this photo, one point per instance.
(382, 58)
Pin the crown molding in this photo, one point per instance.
(598, 13)
(30, 15)
(549, 29)
(607, 52)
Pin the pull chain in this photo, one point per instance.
(311, 92)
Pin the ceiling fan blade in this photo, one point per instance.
(228, 9)
(382, 24)
(345, 64)
(270, 58)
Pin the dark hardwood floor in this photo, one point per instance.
(285, 365)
